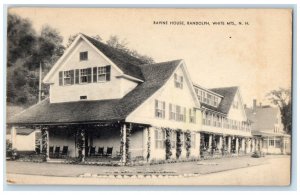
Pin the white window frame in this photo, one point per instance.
(85, 71)
(192, 115)
(160, 109)
(67, 75)
(178, 81)
(101, 71)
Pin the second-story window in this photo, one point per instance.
(83, 76)
(67, 77)
(101, 74)
(178, 81)
(159, 109)
(83, 56)
(192, 114)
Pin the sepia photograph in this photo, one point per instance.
(148, 96)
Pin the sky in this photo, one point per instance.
(256, 56)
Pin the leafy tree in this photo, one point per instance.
(26, 50)
(282, 98)
(115, 42)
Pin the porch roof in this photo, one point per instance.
(101, 110)
(268, 134)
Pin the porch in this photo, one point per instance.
(100, 142)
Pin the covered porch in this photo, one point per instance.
(118, 142)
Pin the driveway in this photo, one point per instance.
(234, 171)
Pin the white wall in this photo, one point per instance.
(169, 94)
(114, 89)
(25, 142)
(237, 114)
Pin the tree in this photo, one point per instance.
(115, 42)
(282, 99)
(26, 50)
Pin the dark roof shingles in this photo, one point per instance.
(228, 94)
(127, 63)
(102, 110)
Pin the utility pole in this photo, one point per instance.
(40, 83)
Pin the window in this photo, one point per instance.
(204, 97)
(204, 116)
(208, 119)
(192, 114)
(178, 81)
(271, 143)
(193, 140)
(83, 97)
(83, 56)
(209, 99)
(159, 139)
(67, 77)
(219, 121)
(159, 109)
(172, 109)
(101, 74)
(215, 101)
(83, 76)
(180, 113)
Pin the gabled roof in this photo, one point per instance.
(45, 112)
(228, 94)
(127, 63)
(263, 118)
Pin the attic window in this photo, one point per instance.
(83, 97)
(178, 81)
(83, 56)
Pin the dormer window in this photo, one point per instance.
(178, 81)
(83, 56)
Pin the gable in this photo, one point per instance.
(236, 110)
(169, 94)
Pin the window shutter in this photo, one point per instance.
(107, 73)
(72, 76)
(95, 74)
(89, 75)
(60, 78)
(77, 76)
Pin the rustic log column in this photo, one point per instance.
(148, 144)
(45, 142)
(210, 149)
(83, 142)
(237, 145)
(243, 145)
(123, 144)
(13, 134)
(202, 146)
(229, 144)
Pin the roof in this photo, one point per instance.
(45, 112)
(262, 117)
(228, 94)
(127, 63)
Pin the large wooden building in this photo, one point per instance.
(104, 102)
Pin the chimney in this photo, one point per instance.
(245, 106)
(254, 104)
(260, 105)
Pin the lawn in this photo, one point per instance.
(71, 170)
